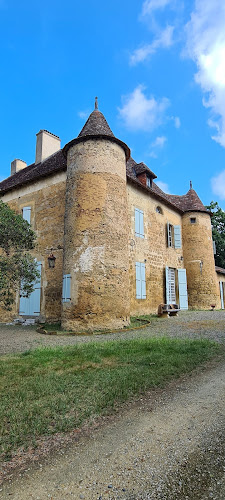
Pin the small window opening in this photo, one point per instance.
(149, 182)
(193, 220)
(158, 210)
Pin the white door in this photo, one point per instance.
(182, 286)
(30, 306)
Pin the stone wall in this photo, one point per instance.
(47, 201)
(153, 249)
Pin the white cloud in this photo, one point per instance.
(163, 186)
(153, 155)
(218, 185)
(142, 113)
(151, 5)
(83, 114)
(159, 142)
(206, 46)
(176, 120)
(164, 40)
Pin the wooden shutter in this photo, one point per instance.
(167, 285)
(177, 237)
(182, 285)
(143, 282)
(66, 294)
(214, 247)
(26, 213)
(138, 280)
(139, 222)
(221, 295)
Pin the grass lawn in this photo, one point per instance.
(55, 390)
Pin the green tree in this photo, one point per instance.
(18, 269)
(218, 232)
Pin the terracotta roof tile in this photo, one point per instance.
(220, 270)
(189, 202)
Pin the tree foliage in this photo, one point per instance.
(218, 232)
(18, 269)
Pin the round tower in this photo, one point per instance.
(96, 229)
(199, 261)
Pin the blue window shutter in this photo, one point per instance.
(138, 280)
(182, 285)
(141, 223)
(66, 293)
(143, 282)
(177, 237)
(168, 234)
(137, 222)
(27, 214)
(221, 295)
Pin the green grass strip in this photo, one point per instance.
(55, 390)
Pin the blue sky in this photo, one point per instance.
(157, 67)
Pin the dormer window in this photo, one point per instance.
(148, 182)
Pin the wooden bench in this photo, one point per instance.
(168, 309)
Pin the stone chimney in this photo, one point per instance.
(17, 165)
(47, 144)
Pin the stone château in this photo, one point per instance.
(121, 245)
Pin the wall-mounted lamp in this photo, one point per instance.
(51, 260)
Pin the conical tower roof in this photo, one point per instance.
(189, 202)
(96, 127)
(96, 124)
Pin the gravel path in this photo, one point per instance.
(207, 324)
(168, 445)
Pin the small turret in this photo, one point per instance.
(198, 252)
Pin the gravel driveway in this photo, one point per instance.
(207, 324)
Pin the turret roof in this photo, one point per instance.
(189, 202)
(96, 124)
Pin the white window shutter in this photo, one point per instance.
(168, 234)
(138, 280)
(26, 213)
(214, 247)
(137, 222)
(143, 282)
(167, 285)
(177, 237)
(141, 223)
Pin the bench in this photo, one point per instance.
(168, 309)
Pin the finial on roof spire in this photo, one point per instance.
(190, 184)
(96, 103)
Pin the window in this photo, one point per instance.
(159, 210)
(140, 281)
(148, 182)
(66, 293)
(26, 213)
(139, 223)
(193, 220)
(173, 236)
